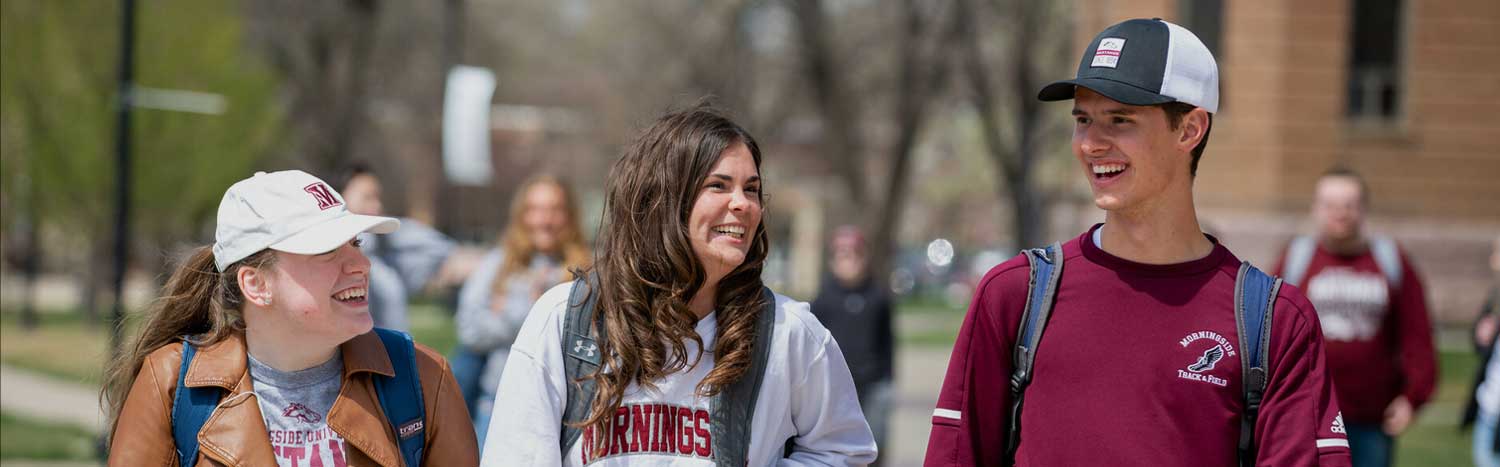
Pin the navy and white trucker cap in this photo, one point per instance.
(1145, 62)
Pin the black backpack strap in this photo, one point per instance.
(1041, 292)
(191, 408)
(581, 358)
(1254, 299)
(400, 396)
(733, 407)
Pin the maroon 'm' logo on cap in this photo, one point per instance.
(323, 194)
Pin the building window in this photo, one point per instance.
(1206, 19)
(1374, 52)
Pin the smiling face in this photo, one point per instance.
(323, 297)
(726, 213)
(1130, 154)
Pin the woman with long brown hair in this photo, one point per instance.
(690, 360)
(540, 245)
(261, 350)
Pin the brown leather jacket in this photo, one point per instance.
(235, 435)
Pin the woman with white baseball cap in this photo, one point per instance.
(260, 350)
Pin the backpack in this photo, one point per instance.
(1300, 252)
(1254, 297)
(400, 397)
(731, 410)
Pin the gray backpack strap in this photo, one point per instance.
(1298, 256)
(1041, 292)
(581, 358)
(733, 408)
(1254, 300)
(1388, 257)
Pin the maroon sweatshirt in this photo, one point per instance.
(1111, 383)
(1378, 336)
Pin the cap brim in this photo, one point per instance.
(1120, 92)
(327, 236)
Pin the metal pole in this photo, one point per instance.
(450, 198)
(122, 169)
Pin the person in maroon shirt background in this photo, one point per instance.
(1123, 374)
(1375, 322)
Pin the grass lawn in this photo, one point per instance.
(25, 438)
(1435, 440)
(63, 346)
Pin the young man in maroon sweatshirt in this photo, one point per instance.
(1374, 315)
(1143, 297)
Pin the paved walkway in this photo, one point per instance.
(919, 377)
(34, 395)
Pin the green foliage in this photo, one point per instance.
(26, 438)
(58, 94)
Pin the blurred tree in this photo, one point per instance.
(1017, 129)
(57, 93)
(923, 45)
(326, 52)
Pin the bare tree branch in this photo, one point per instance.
(840, 114)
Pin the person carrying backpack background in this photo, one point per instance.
(1373, 309)
(1142, 341)
(260, 350)
(669, 350)
(539, 248)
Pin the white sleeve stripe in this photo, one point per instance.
(945, 413)
(1333, 443)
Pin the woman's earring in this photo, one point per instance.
(268, 301)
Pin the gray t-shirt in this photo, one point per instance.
(295, 408)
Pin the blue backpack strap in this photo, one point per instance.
(401, 396)
(1254, 300)
(1041, 293)
(580, 359)
(191, 408)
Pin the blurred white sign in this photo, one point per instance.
(466, 125)
(178, 100)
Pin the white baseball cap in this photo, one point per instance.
(289, 211)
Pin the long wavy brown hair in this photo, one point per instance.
(647, 270)
(516, 239)
(197, 301)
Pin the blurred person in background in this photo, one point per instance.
(858, 313)
(401, 263)
(269, 331)
(1373, 310)
(670, 350)
(541, 247)
(1483, 409)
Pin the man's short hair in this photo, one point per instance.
(1340, 171)
(1176, 111)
